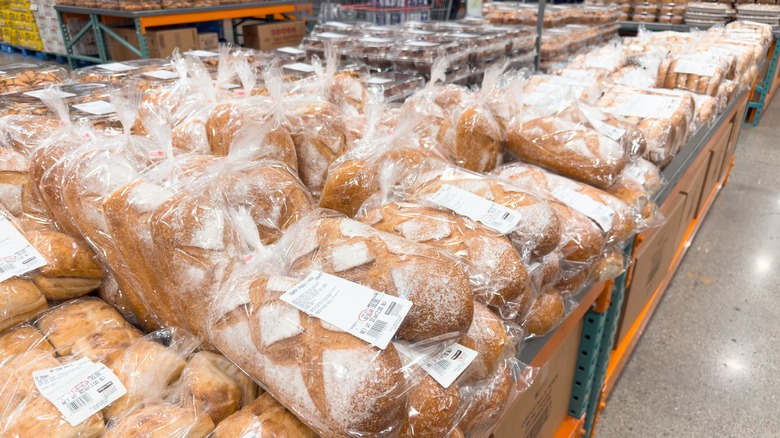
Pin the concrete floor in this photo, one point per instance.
(709, 363)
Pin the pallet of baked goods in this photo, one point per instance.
(707, 14)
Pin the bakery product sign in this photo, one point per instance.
(361, 311)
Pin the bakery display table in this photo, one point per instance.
(99, 21)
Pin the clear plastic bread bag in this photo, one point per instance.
(337, 383)
(697, 72)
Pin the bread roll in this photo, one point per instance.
(477, 140)
(161, 421)
(636, 185)
(47, 167)
(209, 389)
(107, 345)
(487, 400)
(71, 270)
(21, 339)
(387, 263)
(20, 300)
(538, 231)
(432, 409)
(497, 273)
(65, 324)
(24, 412)
(265, 418)
(610, 265)
(488, 338)
(546, 312)
(337, 383)
(13, 179)
(146, 368)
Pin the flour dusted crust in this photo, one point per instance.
(432, 409)
(264, 417)
(337, 383)
(489, 339)
(487, 400)
(498, 275)
(438, 286)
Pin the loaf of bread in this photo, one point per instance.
(336, 383)
(614, 217)
(538, 230)
(497, 273)
(163, 420)
(320, 136)
(107, 345)
(546, 312)
(67, 323)
(211, 384)
(611, 264)
(47, 167)
(20, 300)
(697, 74)
(71, 270)
(263, 418)
(22, 339)
(488, 398)
(569, 147)
(488, 337)
(422, 274)
(432, 410)
(356, 177)
(13, 180)
(636, 185)
(248, 123)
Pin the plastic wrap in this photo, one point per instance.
(636, 185)
(263, 418)
(663, 119)
(544, 90)
(117, 72)
(21, 300)
(25, 76)
(700, 73)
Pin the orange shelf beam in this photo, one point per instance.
(571, 428)
(195, 17)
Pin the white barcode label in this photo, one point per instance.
(203, 53)
(161, 74)
(446, 366)
(98, 107)
(117, 67)
(596, 117)
(17, 256)
(476, 208)
(599, 213)
(39, 94)
(695, 67)
(646, 106)
(299, 66)
(379, 81)
(79, 389)
(465, 35)
(290, 50)
(361, 311)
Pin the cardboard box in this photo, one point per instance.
(208, 41)
(540, 410)
(717, 150)
(691, 187)
(161, 42)
(654, 256)
(274, 35)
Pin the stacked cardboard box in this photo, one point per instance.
(18, 25)
(51, 34)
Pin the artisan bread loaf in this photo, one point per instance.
(432, 410)
(263, 418)
(21, 339)
(13, 180)
(546, 312)
(488, 337)
(106, 345)
(48, 165)
(387, 263)
(20, 300)
(338, 384)
(487, 400)
(497, 273)
(538, 230)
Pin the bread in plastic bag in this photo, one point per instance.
(265, 418)
(636, 185)
(162, 420)
(20, 300)
(497, 273)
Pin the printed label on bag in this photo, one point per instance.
(162, 74)
(597, 212)
(379, 81)
(376, 40)
(38, 94)
(446, 366)
(332, 35)
(421, 44)
(17, 256)
(299, 66)
(79, 389)
(646, 106)
(476, 208)
(203, 53)
(117, 67)
(361, 311)
(596, 119)
(98, 107)
(290, 50)
(695, 67)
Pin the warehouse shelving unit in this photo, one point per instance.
(100, 20)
